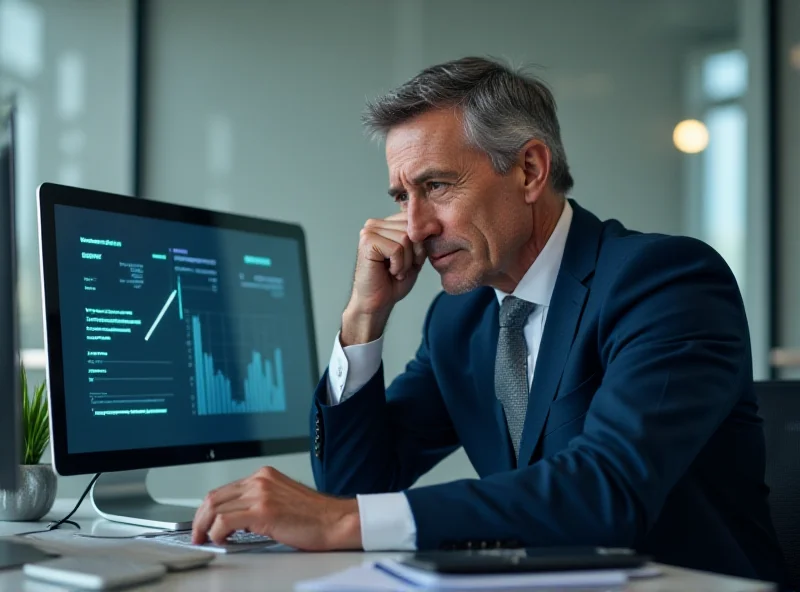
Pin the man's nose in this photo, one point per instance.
(422, 221)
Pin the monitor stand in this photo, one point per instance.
(123, 497)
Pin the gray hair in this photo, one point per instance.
(503, 109)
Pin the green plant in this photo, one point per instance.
(35, 421)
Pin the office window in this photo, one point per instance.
(726, 176)
(724, 166)
(724, 186)
(725, 75)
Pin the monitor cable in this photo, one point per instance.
(66, 519)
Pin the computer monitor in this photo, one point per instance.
(174, 335)
(10, 403)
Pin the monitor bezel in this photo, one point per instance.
(49, 195)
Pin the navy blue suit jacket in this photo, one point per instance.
(641, 428)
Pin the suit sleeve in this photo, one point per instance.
(382, 440)
(674, 340)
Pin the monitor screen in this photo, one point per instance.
(178, 330)
(10, 402)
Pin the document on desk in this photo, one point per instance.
(391, 576)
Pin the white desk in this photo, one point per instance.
(278, 571)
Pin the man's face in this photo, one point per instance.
(471, 220)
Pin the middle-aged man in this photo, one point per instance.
(599, 379)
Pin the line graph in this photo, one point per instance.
(161, 314)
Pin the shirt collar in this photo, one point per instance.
(539, 281)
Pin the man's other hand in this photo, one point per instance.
(271, 504)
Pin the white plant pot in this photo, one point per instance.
(35, 496)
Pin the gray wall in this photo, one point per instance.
(254, 107)
(753, 20)
(70, 64)
(789, 242)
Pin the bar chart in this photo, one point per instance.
(261, 390)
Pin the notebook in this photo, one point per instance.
(389, 575)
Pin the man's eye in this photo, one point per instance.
(436, 185)
(401, 197)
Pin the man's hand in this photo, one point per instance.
(271, 504)
(387, 267)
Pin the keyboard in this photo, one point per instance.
(175, 558)
(238, 542)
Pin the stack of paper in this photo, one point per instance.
(392, 576)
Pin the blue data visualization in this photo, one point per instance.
(180, 334)
(263, 388)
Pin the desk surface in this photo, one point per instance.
(279, 571)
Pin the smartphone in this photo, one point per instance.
(94, 572)
(539, 559)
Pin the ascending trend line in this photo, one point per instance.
(161, 314)
(180, 300)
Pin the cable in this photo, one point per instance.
(54, 525)
(66, 519)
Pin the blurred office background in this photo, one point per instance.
(679, 116)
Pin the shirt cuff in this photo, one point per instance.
(350, 368)
(387, 523)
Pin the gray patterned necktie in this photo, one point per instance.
(511, 365)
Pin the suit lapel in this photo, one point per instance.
(563, 317)
(483, 349)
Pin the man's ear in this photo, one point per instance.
(534, 160)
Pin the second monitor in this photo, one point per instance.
(174, 335)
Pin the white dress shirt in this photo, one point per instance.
(386, 519)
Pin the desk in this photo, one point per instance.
(278, 571)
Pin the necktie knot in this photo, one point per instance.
(514, 312)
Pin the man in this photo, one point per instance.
(599, 379)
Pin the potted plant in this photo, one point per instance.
(37, 488)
